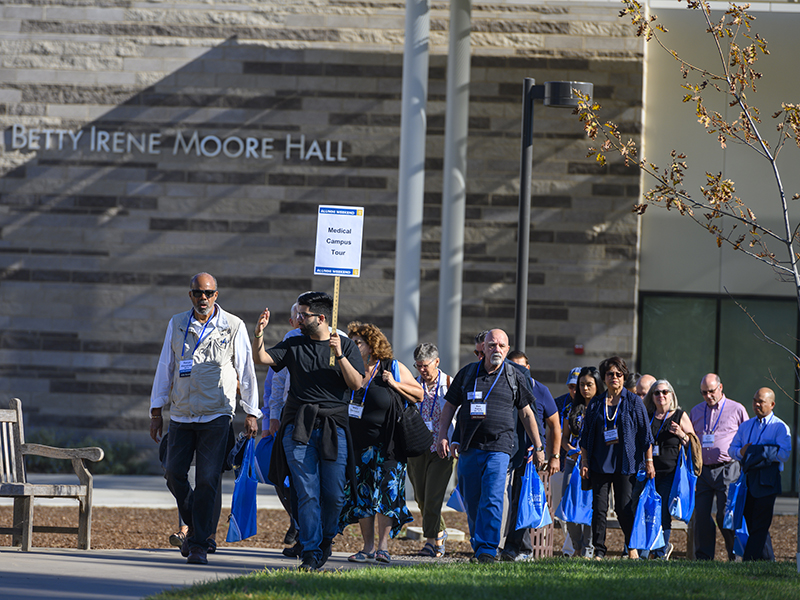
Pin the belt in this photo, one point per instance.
(717, 465)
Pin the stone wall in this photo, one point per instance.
(100, 235)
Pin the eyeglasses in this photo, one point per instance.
(709, 392)
(201, 293)
(614, 374)
(304, 316)
(661, 393)
(420, 366)
(478, 352)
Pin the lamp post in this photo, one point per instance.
(560, 94)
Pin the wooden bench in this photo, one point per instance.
(14, 482)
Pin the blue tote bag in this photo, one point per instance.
(576, 504)
(262, 457)
(244, 513)
(734, 509)
(456, 502)
(533, 511)
(647, 532)
(681, 497)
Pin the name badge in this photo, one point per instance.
(185, 368)
(474, 396)
(611, 436)
(656, 450)
(477, 410)
(708, 440)
(354, 411)
(429, 425)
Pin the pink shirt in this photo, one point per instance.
(723, 425)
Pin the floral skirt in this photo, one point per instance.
(381, 488)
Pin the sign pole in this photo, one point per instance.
(335, 315)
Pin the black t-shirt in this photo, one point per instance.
(312, 379)
(495, 432)
(370, 429)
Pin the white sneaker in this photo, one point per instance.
(522, 557)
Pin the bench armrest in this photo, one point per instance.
(93, 453)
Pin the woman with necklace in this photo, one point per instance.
(430, 474)
(379, 497)
(670, 427)
(590, 385)
(616, 443)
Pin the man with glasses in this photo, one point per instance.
(716, 421)
(312, 440)
(205, 358)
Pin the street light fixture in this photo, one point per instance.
(560, 94)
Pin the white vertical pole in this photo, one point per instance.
(411, 175)
(454, 190)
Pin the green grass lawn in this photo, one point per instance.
(552, 579)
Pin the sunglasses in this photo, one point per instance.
(661, 393)
(614, 374)
(201, 293)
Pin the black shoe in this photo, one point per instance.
(506, 556)
(309, 563)
(291, 535)
(197, 556)
(294, 552)
(482, 559)
(327, 550)
(212, 545)
(185, 546)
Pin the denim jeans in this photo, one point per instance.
(209, 442)
(481, 481)
(319, 485)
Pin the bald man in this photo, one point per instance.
(762, 444)
(492, 394)
(643, 385)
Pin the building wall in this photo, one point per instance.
(97, 246)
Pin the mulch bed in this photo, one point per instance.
(124, 528)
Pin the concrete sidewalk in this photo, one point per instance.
(67, 574)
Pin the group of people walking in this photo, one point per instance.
(623, 436)
(336, 403)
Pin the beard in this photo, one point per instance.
(204, 311)
(496, 358)
(308, 328)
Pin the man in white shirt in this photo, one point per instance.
(205, 358)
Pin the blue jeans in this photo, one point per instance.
(319, 485)
(207, 442)
(481, 481)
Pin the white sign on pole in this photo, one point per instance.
(339, 233)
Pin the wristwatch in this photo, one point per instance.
(556, 456)
(539, 449)
(340, 357)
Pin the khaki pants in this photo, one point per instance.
(430, 475)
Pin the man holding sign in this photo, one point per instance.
(314, 426)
